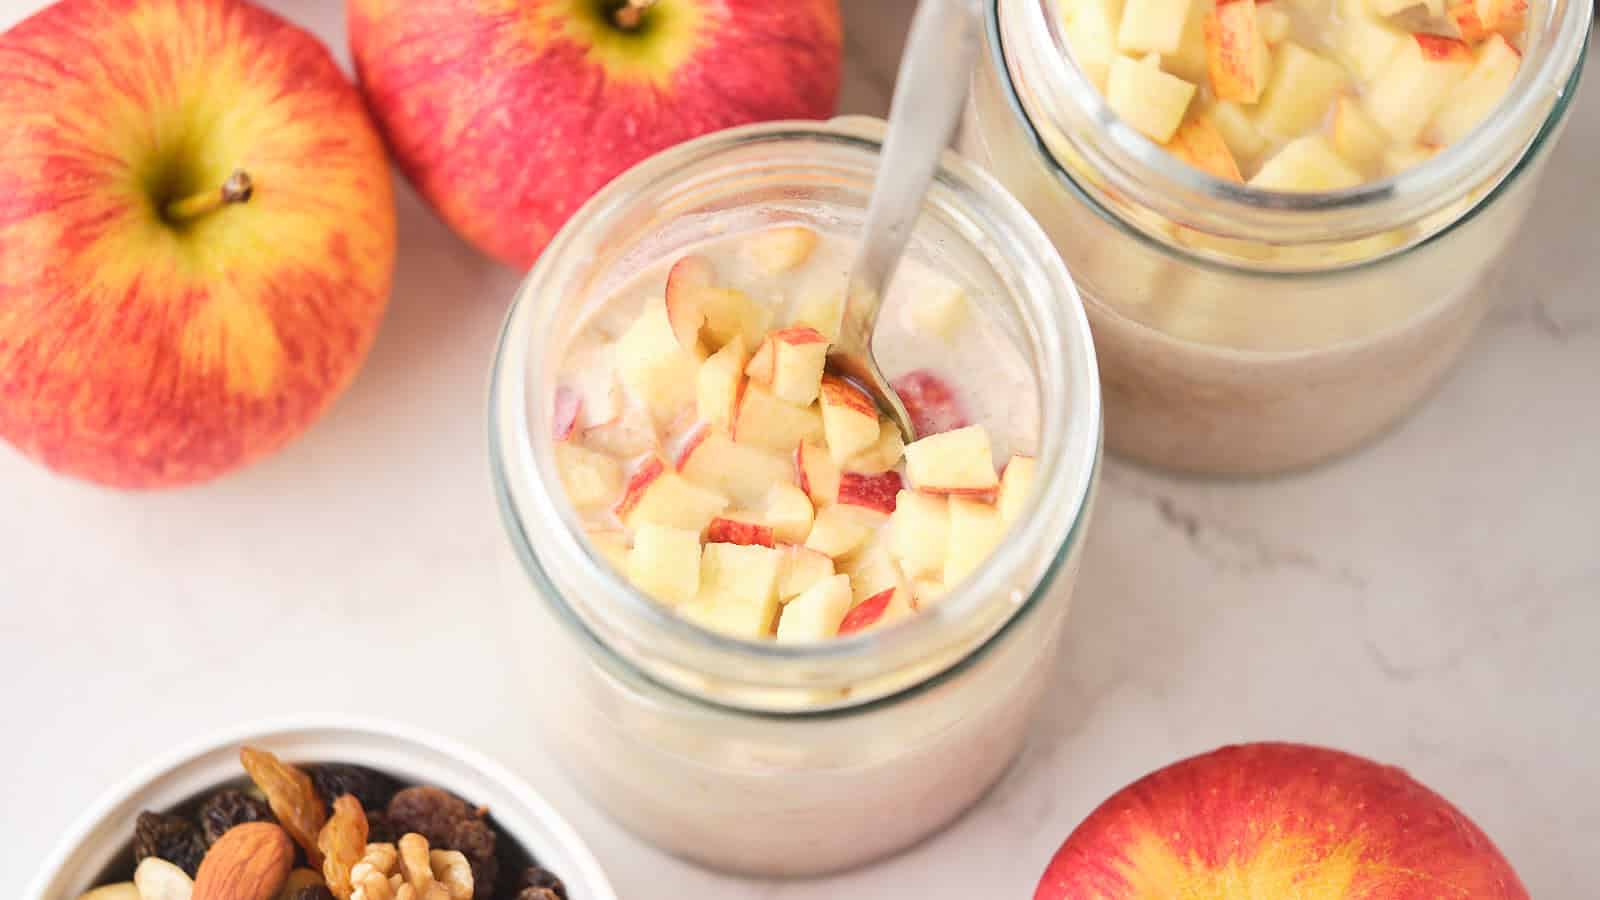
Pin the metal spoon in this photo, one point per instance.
(928, 96)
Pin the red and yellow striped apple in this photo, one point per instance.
(1278, 820)
(507, 115)
(196, 237)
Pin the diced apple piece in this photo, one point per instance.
(593, 375)
(1199, 143)
(802, 568)
(760, 367)
(869, 492)
(927, 591)
(779, 250)
(940, 313)
(822, 311)
(1189, 61)
(738, 590)
(883, 455)
(1400, 158)
(887, 606)
(1237, 130)
(1415, 83)
(956, 462)
(712, 460)
(688, 282)
(719, 383)
(873, 568)
(1477, 94)
(767, 422)
(1468, 26)
(1355, 136)
(655, 369)
(1150, 100)
(740, 528)
(849, 418)
(1091, 29)
(1302, 87)
(665, 563)
(919, 532)
(817, 473)
(816, 613)
(612, 546)
(1504, 16)
(836, 532)
(931, 403)
(1306, 164)
(566, 406)
(1236, 52)
(1366, 45)
(788, 513)
(799, 356)
(1274, 24)
(1016, 487)
(655, 494)
(631, 433)
(591, 479)
(730, 312)
(975, 530)
(1152, 26)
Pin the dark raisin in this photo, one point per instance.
(225, 809)
(535, 893)
(379, 831)
(449, 824)
(172, 838)
(538, 877)
(334, 780)
(312, 892)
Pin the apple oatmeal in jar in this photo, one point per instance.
(1281, 213)
(773, 614)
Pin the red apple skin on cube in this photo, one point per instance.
(139, 354)
(638, 483)
(849, 418)
(508, 117)
(1199, 143)
(760, 368)
(867, 612)
(1278, 820)
(874, 492)
(723, 530)
(687, 281)
(1236, 52)
(931, 402)
(817, 474)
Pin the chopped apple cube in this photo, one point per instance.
(836, 532)
(822, 311)
(1366, 45)
(1237, 130)
(919, 532)
(799, 356)
(630, 433)
(665, 563)
(927, 591)
(872, 493)
(1306, 164)
(1469, 27)
(788, 513)
(1415, 83)
(740, 528)
(887, 606)
(1152, 26)
(612, 546)
(817, 473)
(710, 459)
(765, 421)
(1303, 85)
(815, 614)
(779, 250)
(760, 367)
(802, 568)
(1016, 487)
(687, 283)
(654, 368)
(1236, 52)
(592, 373)
(956, 462)
(883, 455)
(1199, 143)
(849, 418)
(1274, 24)
(719, 383)
(1150, 100)
(738, 590)
(655, 494)
(975, 530)
(591, 479)
(1189, 61)
(940, 313)
(1504, 16)
(872, 568)
(1355, 136)
(1091, 29)
(1478, 94)
(729, 313)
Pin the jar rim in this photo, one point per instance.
(1133, 165)
(528, 489)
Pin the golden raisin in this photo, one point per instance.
(292, 797)
(343, 842)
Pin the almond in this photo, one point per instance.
(249, 862)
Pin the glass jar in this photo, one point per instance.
(790, 759)
(1243, 331)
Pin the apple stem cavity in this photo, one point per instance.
(630, 15)
(238, 188)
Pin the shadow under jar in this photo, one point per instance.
(1242, 331)
(793, 759)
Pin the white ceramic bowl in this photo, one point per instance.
(411, 756)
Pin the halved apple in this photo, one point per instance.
(1479, 93)
(665, 563)
(1302, 86)
(656, 494)
(1150, 100)
(719, 383)
(815, 615)
(767, 422)
(956, 462)
(975, 530)
(849, 418)
(1415, 83)
(817, 473)
(712, 460)
(919, 533)
(1199, 143)
(1237, 58)
(779, 250)
(591, 479)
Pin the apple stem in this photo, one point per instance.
(238, 188)
(631, 14)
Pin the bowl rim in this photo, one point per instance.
(406, 738)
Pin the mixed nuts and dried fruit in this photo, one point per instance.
(326, 832)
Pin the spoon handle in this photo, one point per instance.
(928, 98)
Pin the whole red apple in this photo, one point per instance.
(197, 237)
(508, 116)
(1280, 821)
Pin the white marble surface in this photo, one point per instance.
(1433, 602)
